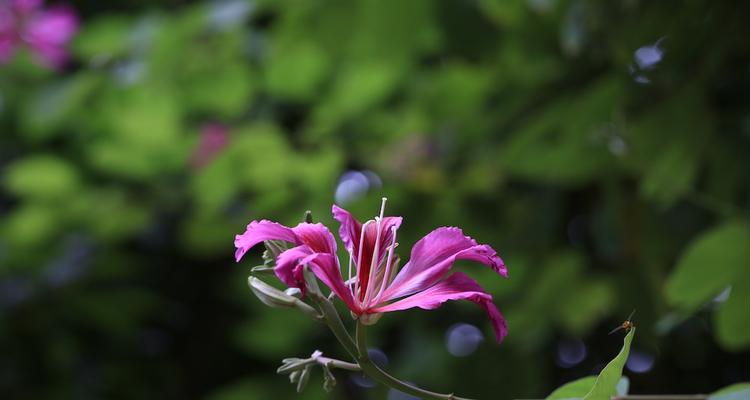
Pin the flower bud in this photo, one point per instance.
(329, 381)
(269, 295)
(273, 249)
(262, 270)
(303, 378)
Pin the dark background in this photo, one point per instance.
(600, 146)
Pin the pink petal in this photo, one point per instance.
(316, 236)
(7, 48)
(49, 32)
(257, 232)
(326, 268)
(456, 287)
(55, 26)
(288, 267)
(433, 256)
(350, 228)
(26, 6)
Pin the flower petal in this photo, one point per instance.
(259, 231)
(48, 34)
(288, 266)
(349, 230)
(368, 252)
(326, 268)
(456, 287)
(316, 236)
(432, 257)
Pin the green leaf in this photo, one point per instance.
(573, 390)
(56, 104)
(562, 145)
(104, 37)
(580, 387)
(738, 391)
(732, 320)
(45, 177)
(606, 384)
(671, 175)
(295, 69)
(710, 263)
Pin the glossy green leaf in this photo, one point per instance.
(573, 390)
(606, 383)
(580, 387)
(732, 319)
(710, 263)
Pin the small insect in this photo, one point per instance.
(627, 325)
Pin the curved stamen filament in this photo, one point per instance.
(388, 266)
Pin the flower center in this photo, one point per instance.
(372, 279)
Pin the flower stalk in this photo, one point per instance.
(358, 349)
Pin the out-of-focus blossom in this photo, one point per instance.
(44, 31)
(378, 286)
(214, 138)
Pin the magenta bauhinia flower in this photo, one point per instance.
(46, 32)
(375, 283)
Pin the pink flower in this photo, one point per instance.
(214, 138)
(375, 285)
(46, 32)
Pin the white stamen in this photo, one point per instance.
(375, 253)
(388, 266)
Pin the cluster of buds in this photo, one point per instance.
(299, 370)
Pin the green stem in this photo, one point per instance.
(330, 315)
(373, 371)
(358, 350)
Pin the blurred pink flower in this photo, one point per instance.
(44, 31)
(378, 286)
(214, 138)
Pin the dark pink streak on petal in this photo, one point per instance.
(368, 251)
(433, 256)
(326, 268)
(316, 236)
(257, 232)
(456, 287)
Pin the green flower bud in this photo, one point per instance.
(269, 295)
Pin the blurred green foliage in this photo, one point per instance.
(601, 147)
